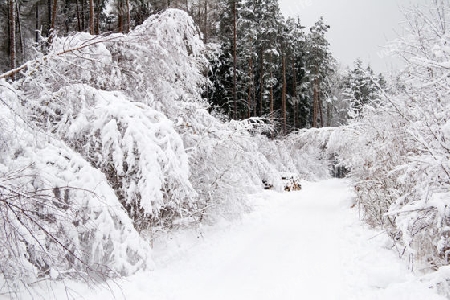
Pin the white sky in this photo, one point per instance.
(359, 28)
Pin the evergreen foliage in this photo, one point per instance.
(361, 87)
(265, 40)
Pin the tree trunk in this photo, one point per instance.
(316, 101)
(78, 17)
(19, 28)
(294, 93)
(82, 16)
(49, 8)
(97, 19)
(296, 118)
(271, 89)
(67, 20)
(52, 26)
(12, 35)
(250, 99)
(234, 60)
(253, 91)
(120, 17)
(205, 22)
(320, 104)
(37, 23)
(261, 83)
(283, 95)
(128, 28)
(329, 113)
(91, 17)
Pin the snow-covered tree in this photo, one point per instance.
(318, 63)
(361, 87)
(109, 165)
(59, 216)
(401, 147)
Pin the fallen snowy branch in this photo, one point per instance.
(94, 41)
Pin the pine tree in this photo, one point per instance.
(12, 33)
(248, 30)
(296, 76)
(92, 17)
(235, 112)
(361, 87)
(318, 64)
(267, 44)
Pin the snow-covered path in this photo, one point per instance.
(300, 245)
(293, 252)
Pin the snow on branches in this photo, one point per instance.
(136, 147)
(86, 163)
(400, 148)
(59, 217)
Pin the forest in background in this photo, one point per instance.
(113, 132)
(261, 64)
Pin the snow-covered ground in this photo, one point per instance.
(300, 245)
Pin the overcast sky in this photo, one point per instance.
(359, 28)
